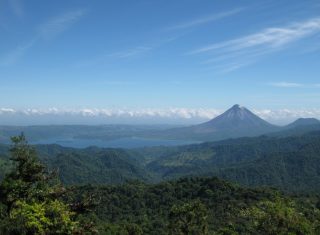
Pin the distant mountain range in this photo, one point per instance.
(235, 122)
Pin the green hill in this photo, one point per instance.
(87, 166)
(290, 163)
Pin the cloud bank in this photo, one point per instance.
(10, 116)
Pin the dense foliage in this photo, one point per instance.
(200, 206)
(29, 197)
(290, 163)
(92, 165)
(32, 201)
(86, 166)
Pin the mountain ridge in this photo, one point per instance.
(235, 122)
(303, 122)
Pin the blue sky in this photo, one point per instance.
(159, 55)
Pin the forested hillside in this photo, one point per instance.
(32, 201)
(199, 206)
(86, 166)
(288, 163)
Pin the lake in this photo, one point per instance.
(128, 142)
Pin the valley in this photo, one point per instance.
(249, 161)
(208, 178)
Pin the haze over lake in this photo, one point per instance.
(128, 142)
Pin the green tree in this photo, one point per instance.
(279, 217)
(188, 219)
(28, 196)
(122, 229)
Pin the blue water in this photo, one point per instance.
(129, 142)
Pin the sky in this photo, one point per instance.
(164, 61)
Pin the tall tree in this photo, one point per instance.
(188, 219)
(29, 197)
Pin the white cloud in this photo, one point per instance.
(253, 46)
(183, 114)
(7, 111)
(205, 20)
(17, 8)
(140, 50)
(13, 56)
(134, 52)
(47, 31)
(270, 37)
(165, 113)
(59, 24)
(293, 85)
(131, 52)
(286, 84)
(285, 115)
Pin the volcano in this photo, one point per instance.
(235, 122)
(236, 118)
